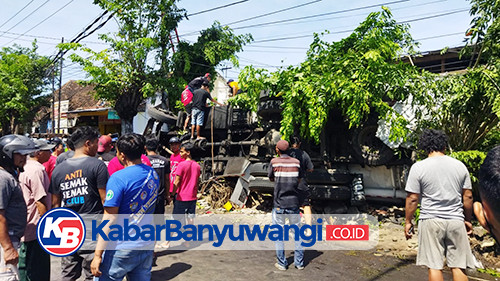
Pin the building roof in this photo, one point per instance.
(81, 98)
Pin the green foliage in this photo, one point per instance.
(485, 30)
(214, 45)
(125, 75)
(490, 271)
(357, 75)
(472, 160)
(22, 81)
(491, 139)
(468, 106)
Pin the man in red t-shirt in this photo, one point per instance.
(187, 176)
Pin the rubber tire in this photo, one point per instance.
(259, 169)
(379, 154)
(162, 116)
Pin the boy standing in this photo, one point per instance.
(186, 186)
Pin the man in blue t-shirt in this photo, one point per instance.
(126, 194)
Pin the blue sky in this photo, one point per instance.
(434, 23)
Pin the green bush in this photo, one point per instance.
(472, 160)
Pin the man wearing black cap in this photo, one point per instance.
(34, 262)
(196, 83)
(285, 172)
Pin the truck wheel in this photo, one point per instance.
(368, 149)
(259, 169)
(162, 116)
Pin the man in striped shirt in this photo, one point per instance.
(285, 172)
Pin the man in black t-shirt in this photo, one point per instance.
(200, 97)
(80, 185)
(162, 168)
(306, 165)
(196, 83)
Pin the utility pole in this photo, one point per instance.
(60, 87)
(53, 120)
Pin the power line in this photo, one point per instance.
(310, 16)
(308, 21)
(37, 8)
(351, 30)
(51, 15)
(321, 15)
(17, 13)
(216, 8)
(273, 13)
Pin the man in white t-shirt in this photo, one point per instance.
(443, 185)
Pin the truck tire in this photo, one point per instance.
(162, 116)
(259, 169)
(368, 149)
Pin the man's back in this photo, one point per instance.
(440, 181)
(285, 172)
(200, 97)
(77, 182)
(161, 165)
(34, 183)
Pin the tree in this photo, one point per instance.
(358, 75)
(123, 75)
(22, 82)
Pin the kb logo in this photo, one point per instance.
(61, 232)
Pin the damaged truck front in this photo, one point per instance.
(350, 165)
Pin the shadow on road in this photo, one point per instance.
(309, 255)
(397, 266)
(170, 272)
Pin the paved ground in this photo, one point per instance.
(259, 265)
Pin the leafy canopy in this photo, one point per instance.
(22, 82)
(357, 75)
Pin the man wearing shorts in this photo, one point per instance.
(200, 97)
(187, 176)
(442, 183)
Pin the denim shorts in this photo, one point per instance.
(135, 264)
(197, 116)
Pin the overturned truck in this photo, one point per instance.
(350, 165)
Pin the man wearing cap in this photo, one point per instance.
(285, 172)
(34, 262)
(196, 83)
(200, 97)
(104, 149)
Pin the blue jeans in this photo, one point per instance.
(279, 217)
(197, 116)
(135, 264)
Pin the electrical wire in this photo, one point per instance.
(16, 13)
(51, 15)
(37, 8)
(217, 8)
(273, 13)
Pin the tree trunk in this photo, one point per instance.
(127, 126)
(126, 107)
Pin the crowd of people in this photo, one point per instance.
(97, 176)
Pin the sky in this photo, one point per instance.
(282, 30)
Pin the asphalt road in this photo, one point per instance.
(259, 265)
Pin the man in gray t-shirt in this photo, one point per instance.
(13, 151)
(443, 185)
